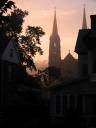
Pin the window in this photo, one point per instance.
(79, 104)
(9, 73)
(55, 45)
(72, 102)
(64, 104)
(94, 66)
(85, 69)
(11, 52)
(58, 104)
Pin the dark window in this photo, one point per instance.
(94, 60)
(9, 73)
(79, 104)
(64, 104)
(72, 102)
(58, 104)
(85, 69)
(11, 52)
(94, 66)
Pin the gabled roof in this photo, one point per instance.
(3, 43)
(80, 47)
(10, 53)
(69, 57)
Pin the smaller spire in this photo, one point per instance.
(84, 25)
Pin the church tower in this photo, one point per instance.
(54, 46)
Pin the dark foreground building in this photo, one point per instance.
(73, 104)
(21, 103)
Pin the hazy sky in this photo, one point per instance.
(69, 20)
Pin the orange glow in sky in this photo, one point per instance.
(69, 20)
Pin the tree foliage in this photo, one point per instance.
(12, 26)
(4, 6)
(29, 45)
(52, 72)
(16, 21)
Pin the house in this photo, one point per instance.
(73, 103)
(11, 72)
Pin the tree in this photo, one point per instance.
(4, 6)
(53, 72)
(13, 27)
(29, 45)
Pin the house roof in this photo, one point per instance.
(78, 86)
(3, 43)
(80, 44)
(7, 43)
(90, 39)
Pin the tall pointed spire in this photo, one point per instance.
(55, 30)
(84, 25)
(54, 46)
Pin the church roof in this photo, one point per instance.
(69, 57)
(80, 44)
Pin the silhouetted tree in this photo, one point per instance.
(53, 72)
(4, 6)
(15, 25)
(29, 45)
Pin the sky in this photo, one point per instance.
(69, 21)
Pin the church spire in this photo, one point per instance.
(55, 30)
(84, 25)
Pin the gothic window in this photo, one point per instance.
(54, 44)
(11, 52)
(54, 51)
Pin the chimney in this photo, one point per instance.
(93, 21)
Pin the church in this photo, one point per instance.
(67, 72)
